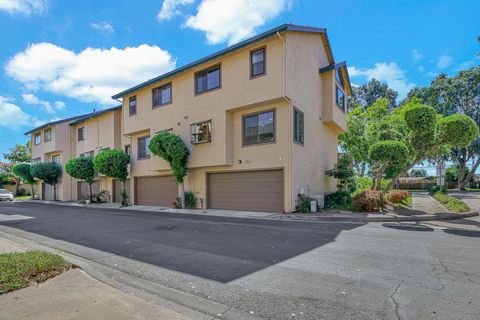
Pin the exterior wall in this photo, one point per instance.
(313, 94)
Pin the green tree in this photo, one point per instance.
(344, 172)
(22, 171)
(386, 153)
(20, 153)
(367, 94)
(418, 173)
(458, 94)
(171, 148)
(81, 168)
(114, 164)
(48, 172)
(6, 174)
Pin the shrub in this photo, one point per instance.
(303, 204)
(21, 192)
(368, 201)
(101, 197)
(190, 200)
(114, 164)
(22, 170)
(338, 199)
(363, 183)
(397, 196)
(344, 172)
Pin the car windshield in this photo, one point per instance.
(4, 191)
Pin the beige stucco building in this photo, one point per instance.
(261, 120)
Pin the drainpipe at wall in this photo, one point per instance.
(290, 119)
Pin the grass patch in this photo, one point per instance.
(20, 269)
(22, 197)
(451, 203)
(472, 189)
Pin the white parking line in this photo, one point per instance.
(13, 217)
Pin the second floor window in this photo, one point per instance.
(132, 106)
(257, 62)
(162, 95)
(81, 134)
(47, 135)
(340, 98)
(298, 126)
(259, 128)
(143, 152)
(201, 132)
(37, 138)
(56, 158)
(207, 80)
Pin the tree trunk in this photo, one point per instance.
(33, 191)
(475, 166)
(17, 185)
(401, 173)
(124, 194)
(55, 192)
(463, 164)
(90, 191)
(362, 170)
(181, 191)
(378, 177)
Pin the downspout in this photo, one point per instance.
(290, 121)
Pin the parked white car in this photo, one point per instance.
(6, 195)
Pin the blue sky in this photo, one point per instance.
(61, 58)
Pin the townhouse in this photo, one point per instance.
(83, 135)
(261, 119)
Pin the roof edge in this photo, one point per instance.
(261, 36)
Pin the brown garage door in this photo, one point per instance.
(251, 190)
(117, 189)
(155, 191)
(83, 190)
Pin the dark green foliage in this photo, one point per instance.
(171, 148)
(419, 117)
(190, 200)
(457, 130)
(304, 204)
(48, 172)
(22, 170)
(339, 199)
(21, 192)
(389, 152)
(114, 164)
(344, 172)
(452, 173)
(418, 173)
(367, 94)
(81, 168)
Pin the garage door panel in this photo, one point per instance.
(252, 190)
(83, 189)
(155, 191)
(117, 189)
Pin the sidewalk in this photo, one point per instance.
(425, 208)
(76, 295)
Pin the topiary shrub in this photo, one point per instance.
(304, 204)
(81, 168)
(368, 201)
(339, 199)
(22, 170)
(457, 130)
(114, 164)
(48, 172)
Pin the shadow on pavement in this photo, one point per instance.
(463, 233)
(216, 248)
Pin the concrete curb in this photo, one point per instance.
(187, 304)
(355, 218)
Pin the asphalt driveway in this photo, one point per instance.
(215, 248)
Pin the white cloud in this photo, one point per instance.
(25, 7)
(416, 55)
(103, 26)
(444, 61)
(46, 106)
(92, 75)
(170, 8)
(12, 116)
(233, 20)
(390, 73)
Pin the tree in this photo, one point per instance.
(418, 173)
(6, 174)
(48, 172)
(81, 168)
(20, 153)
(367, 94)
(344, 172)
(386, 153)
(114, 164)
(22, 171)
(458, 94)
(171, 148)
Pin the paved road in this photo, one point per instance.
(284, 270)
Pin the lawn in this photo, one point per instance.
(451, 203)
(20, 269)
(23, 197)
